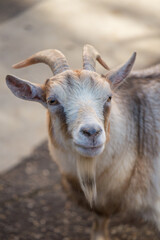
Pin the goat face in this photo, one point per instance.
(78, 101)
(81, 102)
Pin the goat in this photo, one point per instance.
(104, 133)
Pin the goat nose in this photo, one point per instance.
(91, 130)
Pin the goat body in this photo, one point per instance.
(127, 171)
(103, 132)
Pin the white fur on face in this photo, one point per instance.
(83, 102)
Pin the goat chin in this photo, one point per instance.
(86, 169)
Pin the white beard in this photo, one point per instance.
(86, 169)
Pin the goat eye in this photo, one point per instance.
(109, 99)
(53, 102)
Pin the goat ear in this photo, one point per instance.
(26, 90)
(117, 76)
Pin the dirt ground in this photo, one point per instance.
(32, 202)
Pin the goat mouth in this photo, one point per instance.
(89, 151)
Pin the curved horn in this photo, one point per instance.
(90, 55)
(54, 58)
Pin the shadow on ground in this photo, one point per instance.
(34, 206)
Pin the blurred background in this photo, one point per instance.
(115, 28)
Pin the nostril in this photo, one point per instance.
(90, 131)
(85, 132)
(98, 131)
